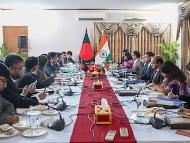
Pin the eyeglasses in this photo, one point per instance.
(4, 81)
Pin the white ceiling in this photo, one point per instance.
(86, 4)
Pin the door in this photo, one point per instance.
(15, 38)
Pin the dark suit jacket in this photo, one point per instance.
(68, 60)
(44, 79)
(137, 67)
(60, 63)
(27, 79)
(12, 94)
(50, 69)
(157, 79)
(146, 72)
(6, 109)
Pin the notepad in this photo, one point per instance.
(133, 81)
(163, 102)
(166, 101)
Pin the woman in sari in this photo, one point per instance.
(174, 83)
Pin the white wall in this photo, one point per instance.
(61, 31)
(50, 30)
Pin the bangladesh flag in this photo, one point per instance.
(86, 52)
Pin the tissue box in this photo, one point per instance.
(97, 85)
(94, 74)
(102, 117)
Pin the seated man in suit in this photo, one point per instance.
(30, 76)
(137, 65)
(60, 61)
(30, 73)
(69, 59)
(7, 109)
(64, 56)
(156, 77)
(146, 71)
(51, 67)
(13, 94)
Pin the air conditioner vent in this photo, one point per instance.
(134, 17)
(93, 19)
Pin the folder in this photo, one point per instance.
(164, 102)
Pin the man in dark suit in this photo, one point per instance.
(146, 71)
(60, 61)
(51, 67)
(14, 95)
(69, 59)
(7, 109)
(156, 63)
(30, 75)
(64, 56)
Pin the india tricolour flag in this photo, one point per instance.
(103, 54)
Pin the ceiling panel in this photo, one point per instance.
(85, 4)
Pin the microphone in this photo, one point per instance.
(139, 91)
(75, 83)
(63, 105)
(58, 124)
(137, 102)
(69, 93)
(126, 85)
(157, 123)
(137, 95)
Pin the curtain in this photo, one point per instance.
(132, 36)
(184, 30)
(185, 44)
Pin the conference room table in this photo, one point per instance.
(142, 133)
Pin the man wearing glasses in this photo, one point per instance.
(7, 109)
(14, 95)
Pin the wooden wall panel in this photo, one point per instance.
(10, 37)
